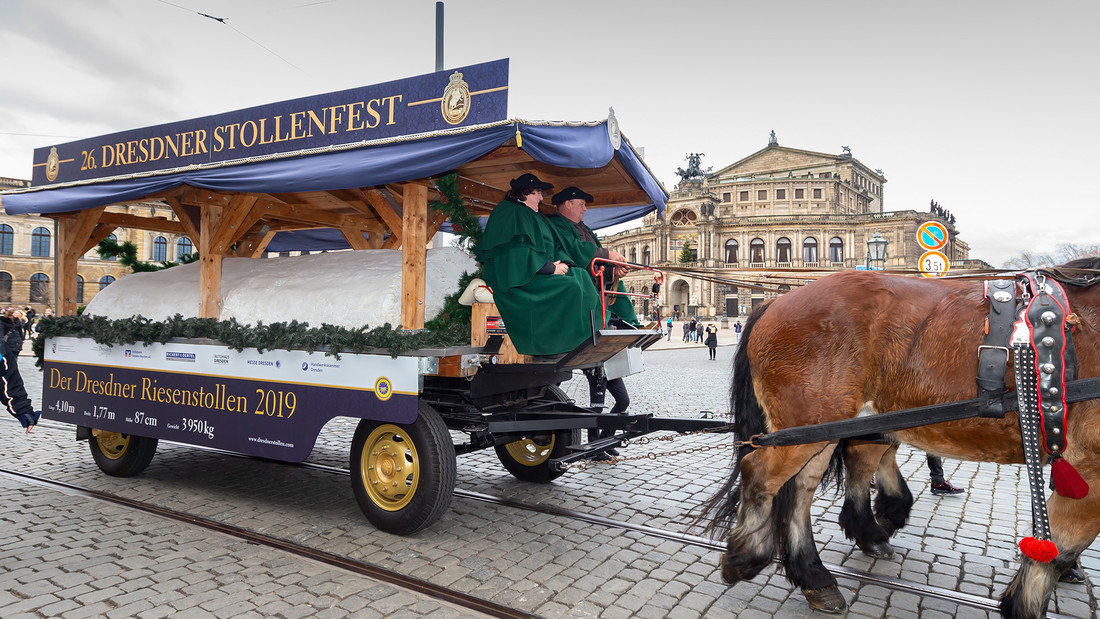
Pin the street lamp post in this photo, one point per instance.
(876, 249)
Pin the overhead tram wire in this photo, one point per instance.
(224, 21)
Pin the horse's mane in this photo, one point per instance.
(1081, 272)
(1088, 262)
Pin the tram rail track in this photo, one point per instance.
(459, 598)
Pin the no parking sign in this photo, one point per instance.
(932, 235)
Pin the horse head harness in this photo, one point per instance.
(1030, 318)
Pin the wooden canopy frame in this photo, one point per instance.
(392, 216)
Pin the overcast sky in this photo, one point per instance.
(989, 108)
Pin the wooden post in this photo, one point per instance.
(414, 239)
(210, 264)
(73, 236)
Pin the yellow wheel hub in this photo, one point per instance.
(531, 450)
(389, 467)
(111, 444)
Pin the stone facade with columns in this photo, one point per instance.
(778, 208)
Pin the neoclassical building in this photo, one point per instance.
(28, 243)
(779, 208)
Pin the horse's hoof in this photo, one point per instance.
(735, 570)
(1073, 575)
(827, 600)
(878, 550)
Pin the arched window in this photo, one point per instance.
(7, 239)
(184, 248)
(160, 249)
(634, 254)
(110, 237)
(40, 288)
(731, 251)
(783, 250)
(40, 242)
(756, 251)
(5, 287)
(836, 249)
(645, 255)
(105, 281)
(809, 249)
(79, 289)
(784, 288)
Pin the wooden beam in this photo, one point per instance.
(210, 264)
(156, 224)
(479, 191)
(355, 238)
(235, 222)
(435, 221)
(413, 255)
(374, 198)
(101, 232)
(314, 218)
(188, 216)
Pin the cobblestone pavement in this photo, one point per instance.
(67, 556)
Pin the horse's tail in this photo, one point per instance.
(720, 510)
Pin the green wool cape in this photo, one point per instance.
(544, 314)
(619, 304)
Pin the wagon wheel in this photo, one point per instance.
(121, 455)
(403, 476)
(529, 457)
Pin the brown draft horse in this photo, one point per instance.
(857, 340)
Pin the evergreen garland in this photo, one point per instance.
(126, 253)
(292, 335)
(464, 223)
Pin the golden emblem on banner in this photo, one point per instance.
(455, 103)
(53, 165)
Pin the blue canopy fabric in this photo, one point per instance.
(390, 161)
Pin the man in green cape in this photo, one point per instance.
(572, 204)
(544, 295)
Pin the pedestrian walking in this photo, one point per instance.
(669, 329)
(712, 340)
(699, 332)
(737, 332)
(687, 331)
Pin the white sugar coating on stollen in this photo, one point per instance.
(348, 289)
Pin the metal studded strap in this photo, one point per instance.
(1046, 317)
(1023, 365)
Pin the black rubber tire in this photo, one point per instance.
(121, 455)
(529, 457)
(403, 476)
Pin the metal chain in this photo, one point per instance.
(581, 465)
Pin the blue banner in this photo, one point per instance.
(470, 95)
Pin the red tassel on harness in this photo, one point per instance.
(1041, 550)
(1067, 481)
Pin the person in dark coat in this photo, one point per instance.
(13, 330)
(712, 340)
(13, 395)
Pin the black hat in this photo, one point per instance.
(529, 181)
(571, 193)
